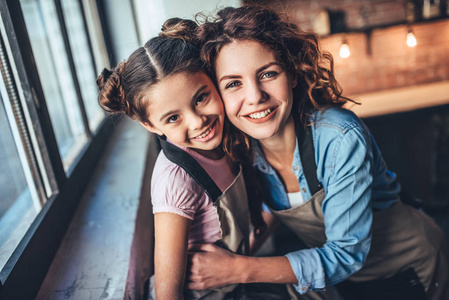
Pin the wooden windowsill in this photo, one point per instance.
(93, 260)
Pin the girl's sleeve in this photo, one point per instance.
(175, 191)
(346, 208)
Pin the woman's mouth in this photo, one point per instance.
(261, 116)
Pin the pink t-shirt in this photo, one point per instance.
(173, 190)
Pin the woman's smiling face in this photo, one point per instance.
(255, 88)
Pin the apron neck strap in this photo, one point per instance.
(307, 154)
(192, 167)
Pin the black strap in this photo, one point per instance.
(307, 154)
(192, 167)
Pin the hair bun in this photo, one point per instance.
(111, 95)
(180, 29)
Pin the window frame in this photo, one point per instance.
(32, 258)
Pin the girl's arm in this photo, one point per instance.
(171, 239)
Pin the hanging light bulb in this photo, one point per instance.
(411, 40)
(344, 50)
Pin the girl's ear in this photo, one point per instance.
(151, 128)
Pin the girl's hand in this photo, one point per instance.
(209, 267)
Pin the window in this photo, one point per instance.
(17, 207)
(44, 30)
(84, 64)
(51, 130)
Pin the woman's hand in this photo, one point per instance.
(214, 267)
(209, 267)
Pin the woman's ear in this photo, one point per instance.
(294, 79)
(150, 128)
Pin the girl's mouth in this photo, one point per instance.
(206, 135)
(261, 116)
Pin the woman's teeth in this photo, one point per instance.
(205, 133)
(260, 114)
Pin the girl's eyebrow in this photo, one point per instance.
(200, 89)
(257, 71)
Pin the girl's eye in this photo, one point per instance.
(232, 84)
(269, 74)
(201, 98)
(172, 119)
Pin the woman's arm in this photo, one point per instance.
(211, 267)
(171, 239)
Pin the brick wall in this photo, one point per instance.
(390, 63)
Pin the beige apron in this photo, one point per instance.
(232, 209)
(403, 237)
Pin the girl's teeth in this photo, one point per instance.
(260, 114)
(204, 134)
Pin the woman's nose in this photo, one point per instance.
(254, 93)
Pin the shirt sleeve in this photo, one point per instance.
(175, 191)
(347, 213)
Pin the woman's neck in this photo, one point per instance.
(280, 148)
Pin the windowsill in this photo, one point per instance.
(93, 260)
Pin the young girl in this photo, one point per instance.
(197, 195)
(319, 163)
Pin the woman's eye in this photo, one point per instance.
(201, 98)
(269, 74)
(172, 119)
(232, 84)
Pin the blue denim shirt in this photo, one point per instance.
(356, 181)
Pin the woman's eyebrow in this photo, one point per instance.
(266, 66)
(229, 77)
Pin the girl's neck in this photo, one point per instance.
(280, 148)
(214, 154)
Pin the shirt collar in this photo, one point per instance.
(260, 162)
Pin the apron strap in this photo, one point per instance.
(192, 167)
(307, 154)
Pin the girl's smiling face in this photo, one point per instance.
(255, 88)
(188, 110)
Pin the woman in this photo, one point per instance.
(325, 176)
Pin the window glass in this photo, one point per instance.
(54, 71)
(85, 69)
(17, 207)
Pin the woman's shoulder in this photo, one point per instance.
(336, 119)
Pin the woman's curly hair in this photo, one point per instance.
(297, 51)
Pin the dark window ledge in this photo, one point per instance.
(93, 261)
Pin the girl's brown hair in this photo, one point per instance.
(122, 89)
(175, 50)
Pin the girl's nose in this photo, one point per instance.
(255, 94)
(196, 121)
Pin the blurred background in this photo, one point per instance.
(391, 56)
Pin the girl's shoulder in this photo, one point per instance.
(171, 185)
